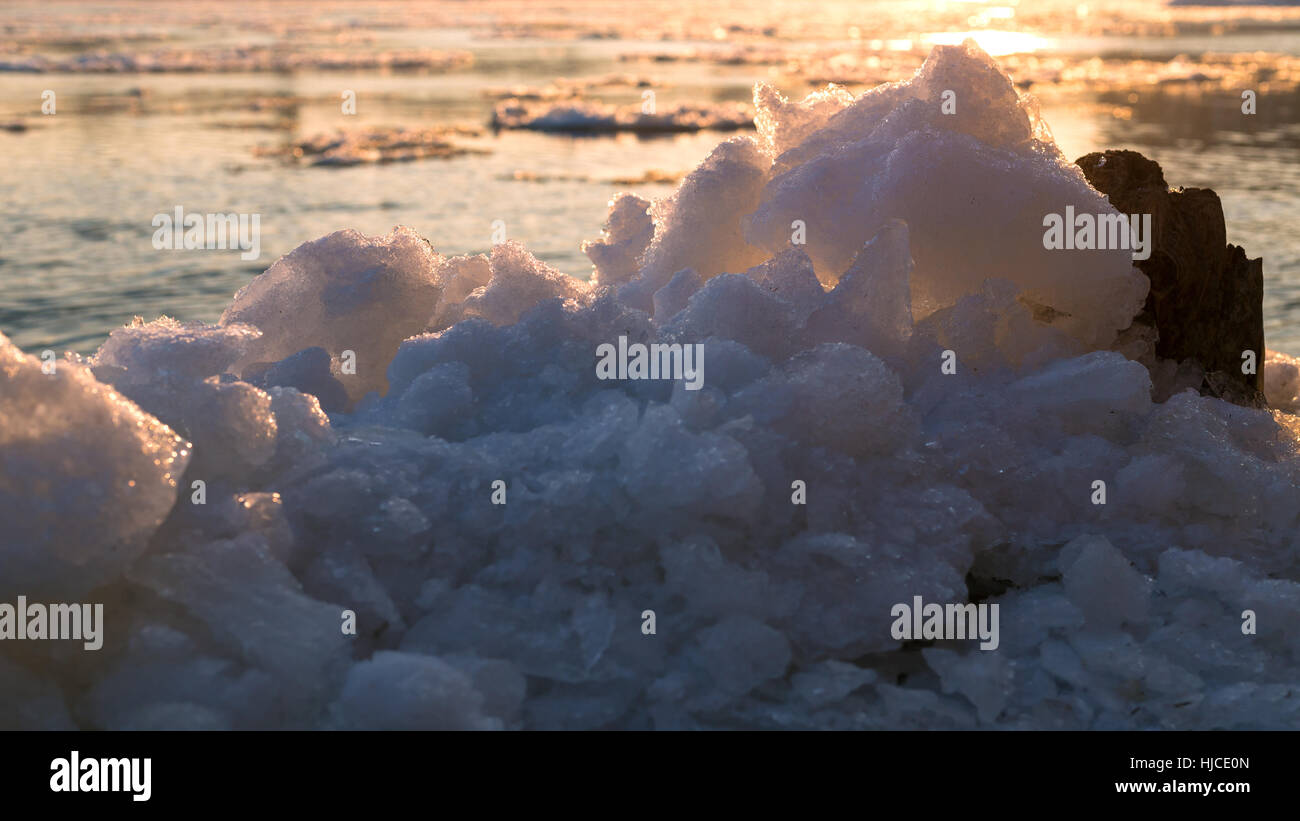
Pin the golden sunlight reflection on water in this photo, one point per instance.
(996, 42)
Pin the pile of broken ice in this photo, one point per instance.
(372, 491)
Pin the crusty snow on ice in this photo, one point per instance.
(329, 491)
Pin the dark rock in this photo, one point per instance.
(1207, 299)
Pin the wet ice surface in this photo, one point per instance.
(822, 365)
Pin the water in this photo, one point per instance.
(80, 188)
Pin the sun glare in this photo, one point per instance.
(996, 42)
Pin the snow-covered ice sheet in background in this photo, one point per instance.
(822, 365)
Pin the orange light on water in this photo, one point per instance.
(997, 43)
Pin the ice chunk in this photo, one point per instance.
(628, 231)
(85, 477)
(307, 371)
(871, 305)
(1103, 584)
(673, 297)
(984, 678)
(894, 155)
(254, 607)
(783, 124)
(461, 276)
(836, 396)
(1282, 381)
(342, 292)
(790, 276)
(439, 401)
(1087, 393)
(405, 691)
(167, 350)
(302, 430)
(699, 227)
(830, 682)
(231, 425)
(741, 653)
(1153, 482)
(734, 306)
(847, 588)
(519, 281)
